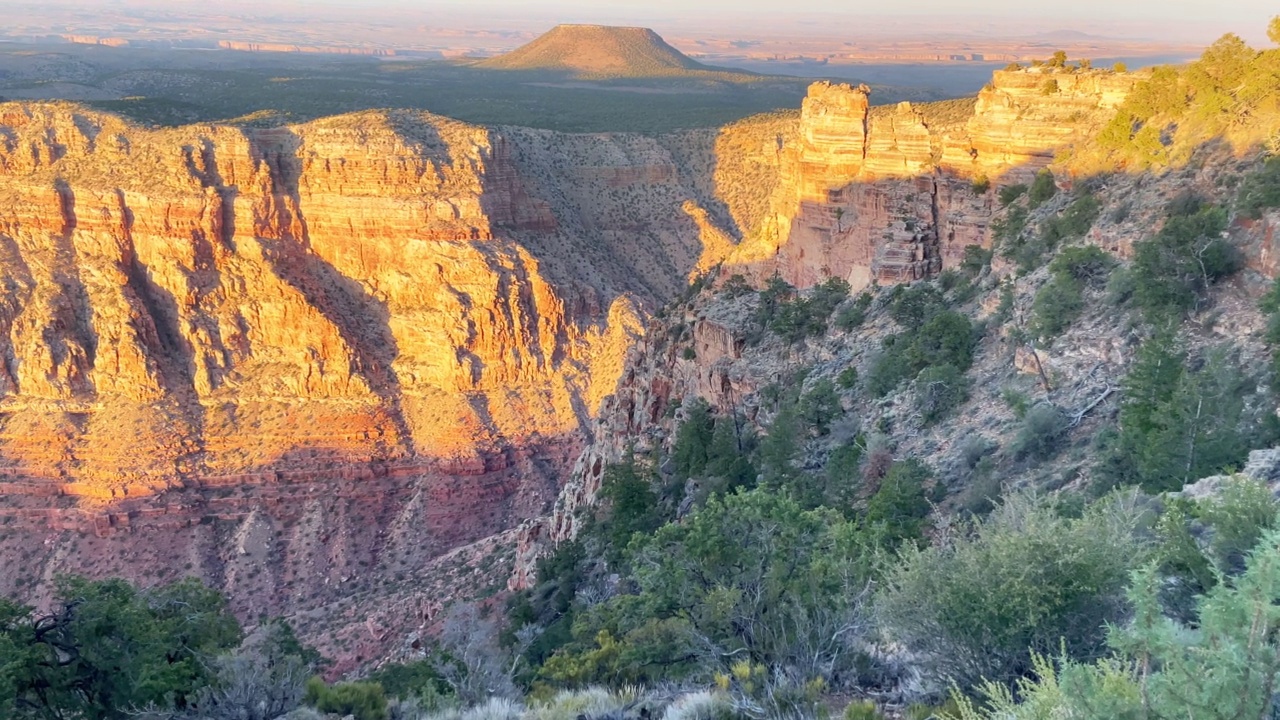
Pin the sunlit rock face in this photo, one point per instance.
(332, 368)
(364, 341)
(198, 292)
(889, 196)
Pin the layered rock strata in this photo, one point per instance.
(355, 345)
(891, 196)
(333, 366)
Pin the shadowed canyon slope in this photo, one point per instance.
(333, 366)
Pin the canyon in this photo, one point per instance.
(342, 370)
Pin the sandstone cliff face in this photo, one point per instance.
(1024, 117)
(294, 359)
(888, 197)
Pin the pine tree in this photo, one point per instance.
(693, 439)
(779, 448)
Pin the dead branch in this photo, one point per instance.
(1079, 417)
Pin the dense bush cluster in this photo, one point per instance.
(1221, 664)
(1230, 89)
(1029, 251)
(1025, 578)
(1172, 270)
(1061, 300)
(1260, 190)
(1178, 421)
(794, 316)
(937, 337)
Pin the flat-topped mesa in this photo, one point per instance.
(597, 50)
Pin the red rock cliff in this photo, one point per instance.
(311, 361)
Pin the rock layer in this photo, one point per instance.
(357, 345)
(889, 197)
(333, 367)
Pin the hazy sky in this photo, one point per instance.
(1184, 10)
(1173, 20)
(1129, 17)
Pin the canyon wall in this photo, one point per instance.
(336, 368)
(313, 361)
(872, 195)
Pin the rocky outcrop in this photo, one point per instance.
(888, 197)
(1025, 117)
(1263, 466)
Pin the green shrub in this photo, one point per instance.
(921, 711)
(841, 476)
(1121, 212)
(1260, 190)
(714, 588)
(1057, 306)
(1120, 286)
(1178, 425)
(1042, 433)
(896, 512)
(363, 700)
(107, 648)
(1221, 665)
(848, 378)
(947, 338)
(1017, 401)
(410, 680)
(794, 318)
(693, 439)
(820, 406)
(981, 185)
(1061, 301)
(1023, 578)
(1074, 222)
(735, 286)
(1009, 228)
(1242, 511)
(853, 315)
(1172, 270)
(1087, 263)
(633, 506)
(1042, 189)
(976, 259)
(1185, 204)
(688, 353)
(950, 279)
(1009, 194)
(939, 390)
(913, 304)
(862, 710)
(1270, 306)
